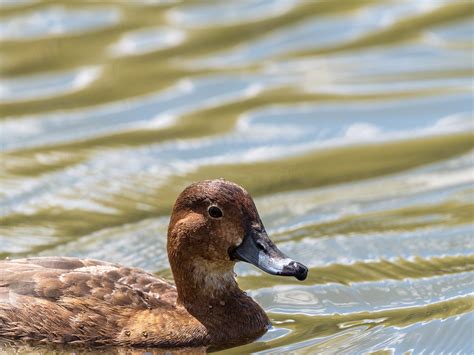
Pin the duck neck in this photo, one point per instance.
(211, 296)
(201, 284)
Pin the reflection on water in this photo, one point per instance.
(51, 21)
(350, 121)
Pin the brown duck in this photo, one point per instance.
(213, 225)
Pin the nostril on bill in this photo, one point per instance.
(260, 246)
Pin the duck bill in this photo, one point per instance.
(259, 250)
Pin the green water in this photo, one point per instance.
(350, 122)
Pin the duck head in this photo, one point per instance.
(215, 224)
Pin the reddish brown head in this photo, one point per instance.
(213, 225)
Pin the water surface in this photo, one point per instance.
(349, 121)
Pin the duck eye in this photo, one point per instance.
(215, 212)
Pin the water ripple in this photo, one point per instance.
(56, 21)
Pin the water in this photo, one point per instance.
(349, 121)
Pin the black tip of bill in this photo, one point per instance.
(296, 269)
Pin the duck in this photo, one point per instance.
(214, 224)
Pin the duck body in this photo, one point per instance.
(95, 303)
(213, 225)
